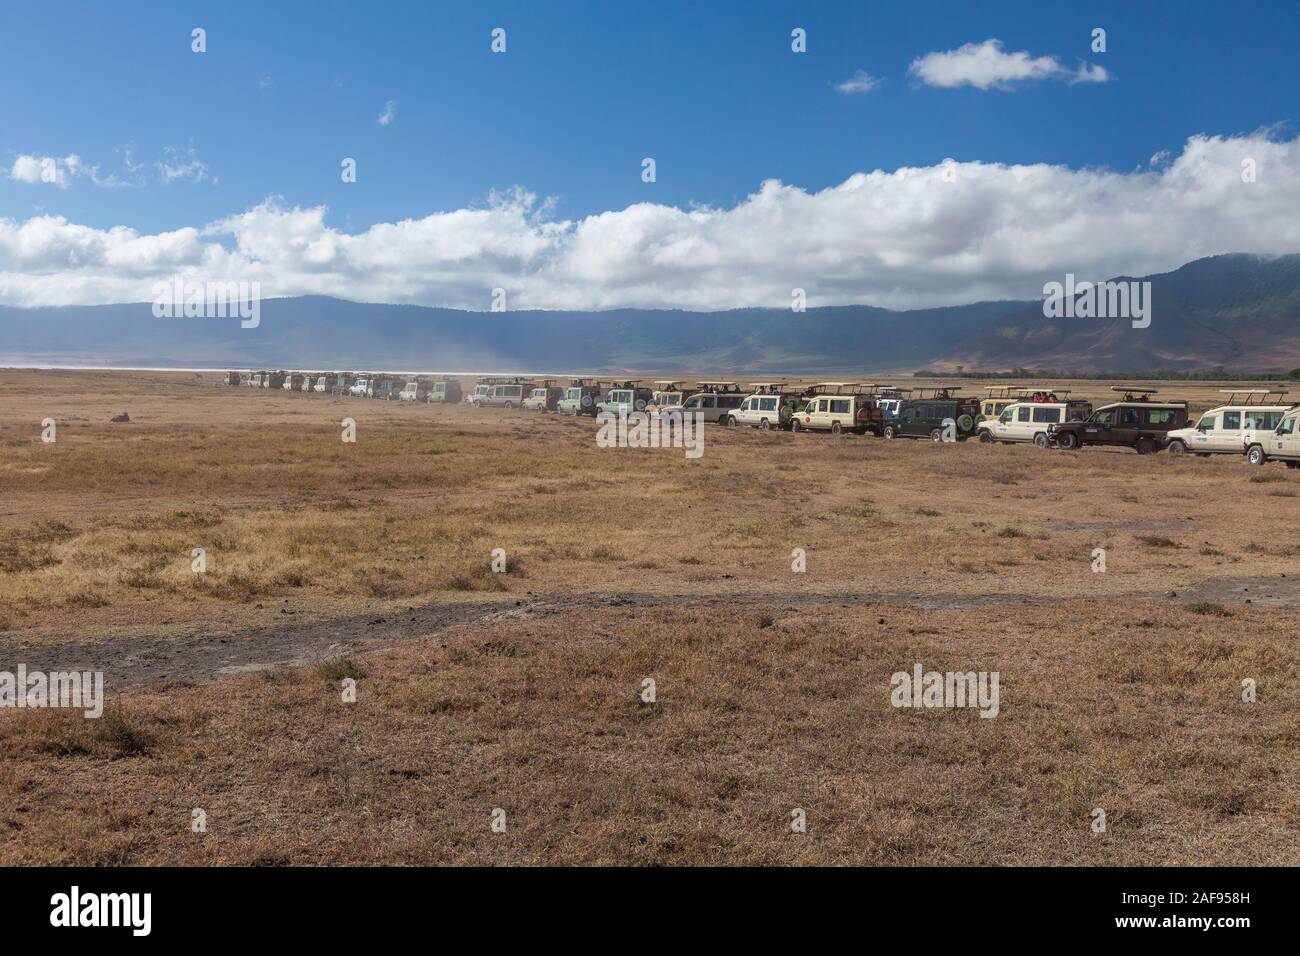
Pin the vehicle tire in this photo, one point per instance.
(966, 422)
(1144, 446)
(764, 425)
(731, 421)
(1040, 440)
(509, 405)
(889, 432)
(1068, 440)
(936, 435)
(1177, 447)
(1255, 455)
(835, 428)
(986, 437)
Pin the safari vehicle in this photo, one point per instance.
(888, 401)
(715, 400)
(1137, 420)
(413, 391)
(293, 382)
(360, 388)
(478, 392)
(998, 398)
(308, 381)
(255, 379)
(667, 394)
(772, 405)
(1226, 429)
(1028, 418)
(273, 380)
(507, 394)
(1280, 444)
(447, 390)
(543, 398)
(837, 407)
(623, 398)
(580, 398)
(233, 378)
(339, 382)
(322, 384)
(383, 387)
(925, 412)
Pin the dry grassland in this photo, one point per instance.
(1118, 690)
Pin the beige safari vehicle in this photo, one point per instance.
(836, 407)
(715, 401)
(1280, 444)
(998, 398)
(1029, 417)
(667, 395)
(1229, 429)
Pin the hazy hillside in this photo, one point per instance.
(1238, 311)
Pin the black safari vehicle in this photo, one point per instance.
(1138, 421)
(923, 412)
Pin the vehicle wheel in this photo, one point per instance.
(835, 428)
(510, 405)
(889, 432)
(764, 425)
(731, 421)
(1040, 440)
(1177, 448)
(1068, 440)
(1144, 446)
(1255, 455)
(986, 437)
(936, 435)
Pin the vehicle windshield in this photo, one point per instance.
(1005, 416)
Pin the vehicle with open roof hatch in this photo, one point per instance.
(1227, 429)
(1138, 420)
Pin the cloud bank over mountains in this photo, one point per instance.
(945, 234)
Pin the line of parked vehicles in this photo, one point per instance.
(1258, 423)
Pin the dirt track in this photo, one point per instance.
(145, 661)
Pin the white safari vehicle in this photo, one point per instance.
(1279, 444)
(1228, 429)
(667, 395)
(1030, 414)
(410, 392)
(360, 388)
(770, 406)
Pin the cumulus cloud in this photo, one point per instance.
(988, 66)
(52, 170)
(389, 114)
(916, 236)
(860, 82)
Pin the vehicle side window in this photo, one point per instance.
(768, 404)
(1104, 418)
(840, 406)
(708, 401)
(1022, 414)
(1231, 421)
(1288, 425)
(1129, 416)
(1005, 416)
(1267, 420)
(1207, 421)
(730, 401)
(1167, 416)
(1048, 415)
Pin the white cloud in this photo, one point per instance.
(903, 238)
(988, 66)
(389, 114)
(860, 82)
(178, 167)
(51, 170)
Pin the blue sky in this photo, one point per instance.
(712, 91)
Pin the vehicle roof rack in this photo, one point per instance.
(1267, 396)
(667, 381)
(1003, 391)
